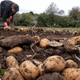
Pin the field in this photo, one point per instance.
(52, 28)
(32, 50)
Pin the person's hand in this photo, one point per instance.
(6, 25)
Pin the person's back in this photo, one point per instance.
(4, 5)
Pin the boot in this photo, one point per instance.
(11, 23)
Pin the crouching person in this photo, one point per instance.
(7, 12)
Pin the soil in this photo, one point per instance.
(42, 54)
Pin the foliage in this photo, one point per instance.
(23, 19)
(74, 13)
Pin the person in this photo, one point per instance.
(7, 11)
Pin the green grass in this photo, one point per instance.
(52, 28)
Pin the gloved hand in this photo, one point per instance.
(6, 25)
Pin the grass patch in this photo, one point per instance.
(52, 28)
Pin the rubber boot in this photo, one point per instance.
(11, 23)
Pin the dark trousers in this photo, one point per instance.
(0, 9)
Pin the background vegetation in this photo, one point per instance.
(51, 17)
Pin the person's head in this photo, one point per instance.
(15, 8)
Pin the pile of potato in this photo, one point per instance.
(27, 70)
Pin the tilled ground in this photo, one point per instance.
(41, 54)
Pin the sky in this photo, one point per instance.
(39, 6)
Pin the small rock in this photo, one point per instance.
(55, 44)
(37, 62)
(28, 56)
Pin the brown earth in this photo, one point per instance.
(42, 54)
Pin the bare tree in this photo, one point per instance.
(52, 9)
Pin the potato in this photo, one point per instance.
(71, 64)
(29, 70)
(76, 32)
(12, 62)
(20, 30)
(7, 28)
(78, 78)
(44, 42)
(12, 74)
(54, 63)
(36, 38)
(25, 29)
(15, 50)
(71, 73)
(73, 42)
(41, 69)
(44, 30)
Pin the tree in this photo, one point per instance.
(31, 12)
(61, 13)
(74, 13)
(52, 9)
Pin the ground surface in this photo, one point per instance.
(42, 54)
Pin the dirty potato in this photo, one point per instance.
(71, 64)
(29, 70)
(41, 69)
(54, 63)
(12, 62)
(36, 38)
(44, 42)
(15, 50)
(78, 78)
(12, 74)
(71, 73)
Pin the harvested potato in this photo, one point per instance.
(44, 30)
(7, 28)
(12, 62)
(73, 42)
(15, 50)
(12, 74)
(36, 38)
(71, 73)
(71, 64)
(44, 42)
(29, 70)
(76, 32)
(54, 63)
(20, 30)
(78, 78)
(41, 69)
(26, 29)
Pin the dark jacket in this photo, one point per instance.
(6, 10)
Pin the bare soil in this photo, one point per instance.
(42, 54)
